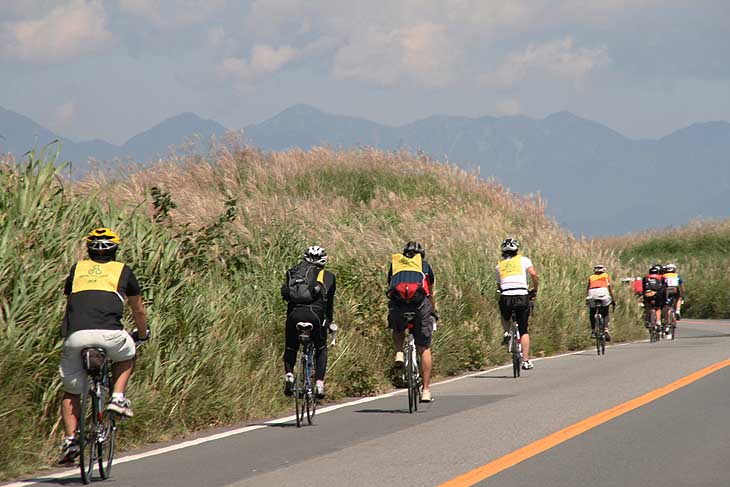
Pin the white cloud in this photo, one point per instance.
(75, 28)
(172, 13)
(557, 59)
(265, 60)
(420, 53)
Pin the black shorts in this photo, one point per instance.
(656, 301)
(520, 305)
(422, 323)
(307, 314)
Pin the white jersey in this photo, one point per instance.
(512, 275)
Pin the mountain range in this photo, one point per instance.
(595, 180)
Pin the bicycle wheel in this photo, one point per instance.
(105, 444)
(416, 382)
(515, 349)
(87, 436)
(309, 395)
(410, 379)
(673, 324)
(299, 392)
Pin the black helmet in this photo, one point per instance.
(412, 248)
(655, 269)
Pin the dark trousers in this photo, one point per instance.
(315, 316)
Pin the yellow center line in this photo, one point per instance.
(485, 471)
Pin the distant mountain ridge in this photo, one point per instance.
(20, 133)
(596, 181)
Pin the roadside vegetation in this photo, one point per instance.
(701, 251)
(210, 240)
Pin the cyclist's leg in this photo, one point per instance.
(73, 377)
(121, 351)
(422, 335)
(505, 312)
(522, 311)
(397, 324)
(319, 337)
(291, 340)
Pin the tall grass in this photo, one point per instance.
(701, 251)
(210, 245)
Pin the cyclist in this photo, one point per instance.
(512, 272)
(600, 294)
(410, 288)
(309, 291)
(96, 290)
(673, 288)
(653, 291)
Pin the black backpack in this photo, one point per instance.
(301, 286)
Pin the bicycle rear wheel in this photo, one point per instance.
(107, 431)
(516, 359)
(416, 382)
(87, 436)
(410, 379)
(310, 394)
(299, 392)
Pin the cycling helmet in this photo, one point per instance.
(510, 245)
(655, 269)
(669, 268)
(102, 240)
(599, 268)
(316, 255)
(412, 248)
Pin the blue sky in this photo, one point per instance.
(110, 69)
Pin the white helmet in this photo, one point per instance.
(316, 255)
(510, 245)
(599, 268)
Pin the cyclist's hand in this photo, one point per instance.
(139, 339)
(613, 305)
(532, 295)
(435, 315)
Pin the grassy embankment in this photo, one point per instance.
(701, 251)
(210, 250)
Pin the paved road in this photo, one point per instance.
(682, 438)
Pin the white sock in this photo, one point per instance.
(119, 396)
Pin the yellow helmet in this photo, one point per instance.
(102, 239)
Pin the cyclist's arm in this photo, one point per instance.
(533, 278)
(138, 313)
(330, 303)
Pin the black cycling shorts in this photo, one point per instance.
(520, 304)
(422, 323)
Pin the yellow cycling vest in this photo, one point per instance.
(95, 276)
(598, 280)
(402, 263)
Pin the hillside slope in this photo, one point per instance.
(701, 251)
(211, 267)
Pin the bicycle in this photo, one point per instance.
(515, 346)
(305, 400)
(97, 428)
(652, 325)
(601, 327)
(411, 368)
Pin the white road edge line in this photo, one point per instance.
(218, 436)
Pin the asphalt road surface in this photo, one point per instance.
(572, 421)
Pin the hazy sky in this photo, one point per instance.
(110, 69)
